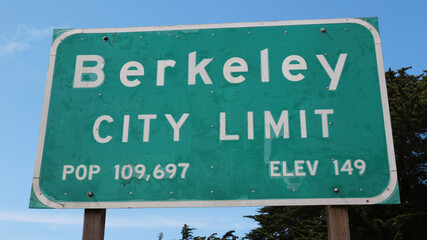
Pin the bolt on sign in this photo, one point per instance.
(243, 114)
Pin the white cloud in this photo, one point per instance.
(36, 217)
(24, 37)
(132, 221)
(205, 223)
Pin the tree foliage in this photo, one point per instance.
(283, 223)
(408, 109)
(187, 234)
(230, 235)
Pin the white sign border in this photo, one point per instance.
(220, 203)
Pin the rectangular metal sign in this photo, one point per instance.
(245, 114)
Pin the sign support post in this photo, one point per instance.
(94, 224)
(338, 225)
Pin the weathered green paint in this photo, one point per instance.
(219, 170)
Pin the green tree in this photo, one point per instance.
(187, 232)
(199, 238)
(213, 237)
(229, 236)
(408, 109)
(283, 223)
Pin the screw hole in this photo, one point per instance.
(105, 38)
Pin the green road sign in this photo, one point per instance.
(245, 114)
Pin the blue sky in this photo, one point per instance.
(25, 37)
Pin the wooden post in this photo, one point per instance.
(338, 226)
(94, 224)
